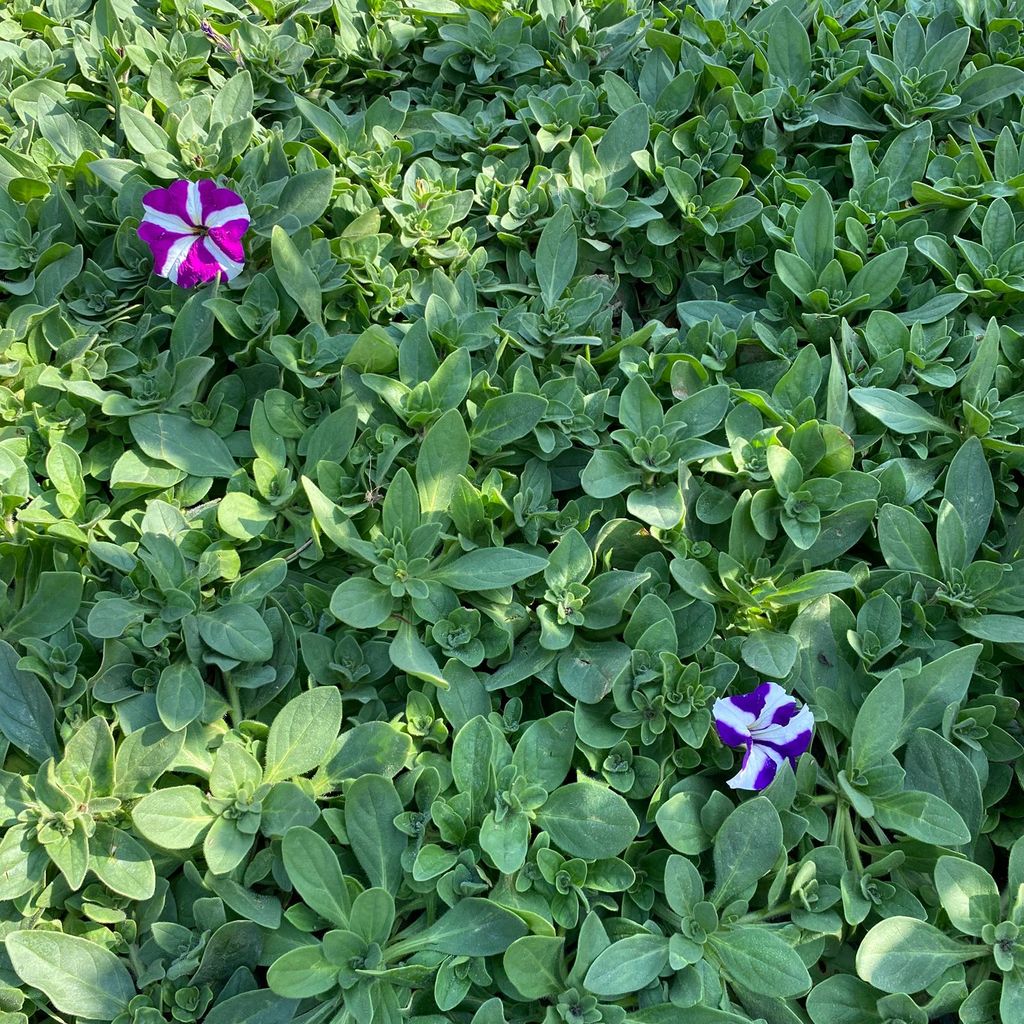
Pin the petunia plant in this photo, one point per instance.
(510, 513)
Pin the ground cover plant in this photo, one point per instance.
(511, 512)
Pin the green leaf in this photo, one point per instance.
(143, 756)
(443, 457)
(940, 683)
(968, 894)
(301, 973)
(628, 965)
(296, 276)
(302, 734)
(814, 236)
(922, 816)
(408, 654)
(556, 256)
(121, 863)
(304, 199)
(241, 516)
(877, 279)
(789, 58)
(26, 713)
(54, 602)
(369, 747)
(760, 960)
(969, 489)
(680, 823)
(237, 631)
(371, 806)
(897, 412)
(626, 135)
(906, 543)
(769, 653)
(935, 765)
(877, 728)
(588, 820)
(471, 757)
(79, 977)
(534, 965)
(902, 954)
(174, 818)
(180, 695)
(489, 569)
(608, 473)
(999, 629)
(257, 1007)
(316, 874)
(989, 86)
(181, 443)
(362, 603)
(473, 927)
(504, 419)
(746, 848)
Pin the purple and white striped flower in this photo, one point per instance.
(771, 725)
(195, 230)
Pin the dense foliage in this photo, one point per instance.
(363, 616)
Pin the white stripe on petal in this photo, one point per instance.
(801, 722)
(219, 218)
(167, 221)
(776, 698)
(176, 255)
(726, 711)
(756, 761)
(232, 268)
(194, 204)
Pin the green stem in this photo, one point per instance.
(234, 700)
(767, 912)
(851, 837)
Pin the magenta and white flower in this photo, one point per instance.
(195, 230)
(771, 725)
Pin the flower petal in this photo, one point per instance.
(732, 721)
(759, 767)
(169, 247)
(168, 207)
(166, 222)
(230, 267)
(194, 203)
(777, 705)
(220, 205)
(229, 239)
(753, 702)
(791, 737)
(198, 267)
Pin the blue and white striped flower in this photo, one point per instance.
(771, 725)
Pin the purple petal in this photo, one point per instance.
(753, 702)
(776, 702)
(229, 239)
(225, 262)
(200, 266)
(732, 721)
(169, 247)
(220, 206)
(173, 200)
(759, 767)
(790, 739)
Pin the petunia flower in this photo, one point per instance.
(195, 230)
(773, 726)
(221, 42)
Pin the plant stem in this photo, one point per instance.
(234, 700)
